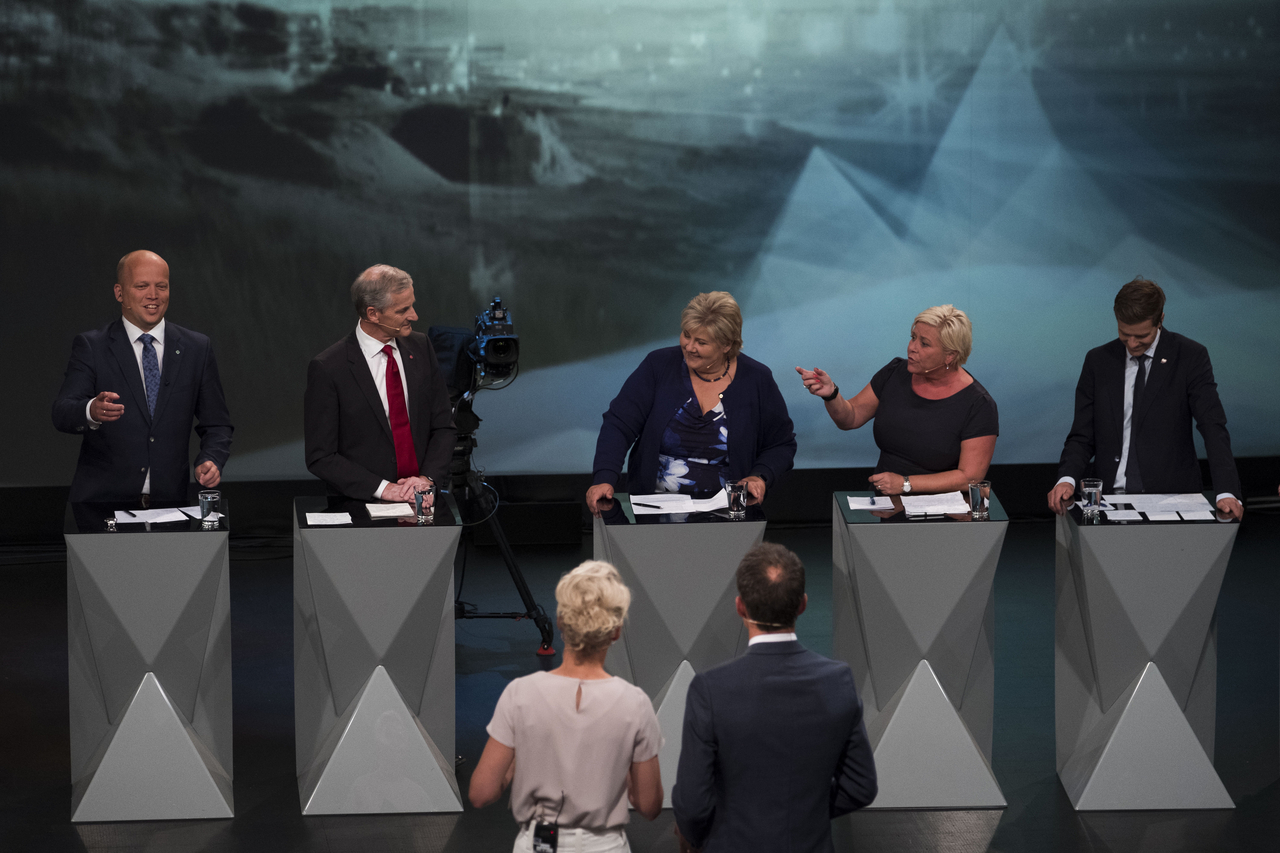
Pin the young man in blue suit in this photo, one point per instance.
(133, 390)
(1135, 401)
(774, 743)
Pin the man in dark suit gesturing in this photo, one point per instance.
(377, 416)
(774, 744)
(133, 390)
(1134, 404)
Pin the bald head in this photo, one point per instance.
(124, 264)
(142, 288)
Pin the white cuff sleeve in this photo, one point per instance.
(88, 417)
(378, 493)
(1224, 495)
(1071, 480)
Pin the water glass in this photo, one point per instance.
(424, 503)
(1091, 497)
(208, 506)
(737, 500)
(979, 499)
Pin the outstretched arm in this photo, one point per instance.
(847, 414)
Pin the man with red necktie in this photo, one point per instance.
(377, 415)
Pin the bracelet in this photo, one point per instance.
(834, 394)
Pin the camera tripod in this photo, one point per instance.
(475, 497)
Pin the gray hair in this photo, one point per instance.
(375, 286)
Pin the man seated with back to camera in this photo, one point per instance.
(774, 743)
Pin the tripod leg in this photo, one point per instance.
(539, 616)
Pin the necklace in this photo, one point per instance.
(717, 379)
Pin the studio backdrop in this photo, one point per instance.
(837, 165)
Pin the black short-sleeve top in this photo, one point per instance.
(920, 436)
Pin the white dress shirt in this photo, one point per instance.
(776, 637)
(133, 333)
(377, 361)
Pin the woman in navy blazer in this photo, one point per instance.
(696, 416)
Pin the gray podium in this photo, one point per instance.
(149, 668)
(1135, 666)
(913, 615)
(682, 619)
(373, 661)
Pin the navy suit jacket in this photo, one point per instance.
(347, 433)
(774, 748)
(762, 441)
(1179, 387)
(114, 458)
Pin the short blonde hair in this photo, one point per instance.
(954, 330)
(718, 313)
(591, 603)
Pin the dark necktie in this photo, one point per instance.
(150, 371)
(406, 457)
(1132, 478)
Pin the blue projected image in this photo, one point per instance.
(837, 165)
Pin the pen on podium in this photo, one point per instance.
(130, 514)
(646, 506)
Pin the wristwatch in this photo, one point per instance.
(906, 485)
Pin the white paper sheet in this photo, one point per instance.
(1152, 515)
(944, 504)
(391, 510)
(316, 519)
(1163, 503)
(1124, 515)
(668, 503)
(1104, 507)
(194, 512)
(1197, 515)
(155, 516)
(871, 503)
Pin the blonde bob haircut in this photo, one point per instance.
(718, 313)
(954, 330)
(591, 603)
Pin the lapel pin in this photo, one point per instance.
(177, 352)
(1163, 360)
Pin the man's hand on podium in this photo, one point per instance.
(1060, 497)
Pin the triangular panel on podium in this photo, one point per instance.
(925, 756)
(1143, 755)
(152, 766)
(669, 705)
(378, 758)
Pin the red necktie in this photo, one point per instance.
(406, 457)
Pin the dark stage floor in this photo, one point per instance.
(35, 791)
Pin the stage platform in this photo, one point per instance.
(35, 790)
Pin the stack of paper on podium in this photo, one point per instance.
(668, 503)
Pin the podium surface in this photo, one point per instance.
(149, 668)
(374, 661)
(682, 620)
(1135, 661)
(913, 615)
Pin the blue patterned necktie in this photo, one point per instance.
(150, 371)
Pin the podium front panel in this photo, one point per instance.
(913, 615)
(682, 620)
(149, 668)
(374, 661)
(1135, 661)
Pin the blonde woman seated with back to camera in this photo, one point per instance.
(575, 744)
